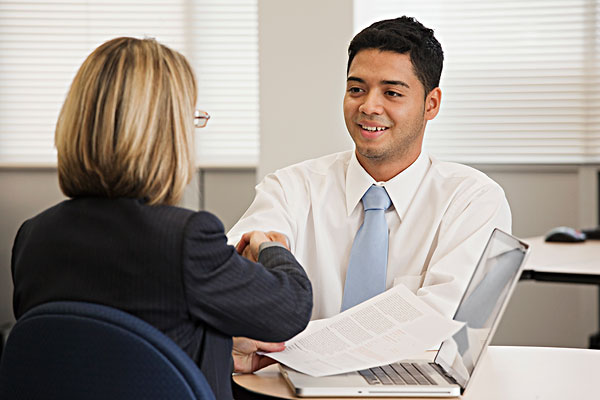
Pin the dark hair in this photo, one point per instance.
(404, 35)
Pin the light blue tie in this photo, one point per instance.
(366, 273)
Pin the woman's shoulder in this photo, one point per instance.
(206, 221)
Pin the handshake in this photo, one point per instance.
(250, 244)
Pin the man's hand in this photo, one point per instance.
(278, 237)
(246, 360)
(250, 242)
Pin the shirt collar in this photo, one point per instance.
(400, 188)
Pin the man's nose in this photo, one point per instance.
(373, 104)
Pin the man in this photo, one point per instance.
(441, 214)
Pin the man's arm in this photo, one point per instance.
(270, 211)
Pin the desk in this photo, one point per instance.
(506, 372)
(565, 262)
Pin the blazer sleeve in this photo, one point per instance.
(269, 301)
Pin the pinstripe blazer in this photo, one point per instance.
(171, 267)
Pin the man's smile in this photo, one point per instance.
(371, 129)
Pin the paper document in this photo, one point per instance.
(384, 329)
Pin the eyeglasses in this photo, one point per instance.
(200, 118)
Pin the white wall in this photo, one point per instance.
(302, 62)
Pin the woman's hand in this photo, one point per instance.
(245, 359)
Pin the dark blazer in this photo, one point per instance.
(171, 267)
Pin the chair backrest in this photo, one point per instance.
(74, 350)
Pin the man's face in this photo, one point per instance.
(385, 108)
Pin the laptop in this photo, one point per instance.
(481, 307)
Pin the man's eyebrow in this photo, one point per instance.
(384, 82)
(396, 83)
(355, 79)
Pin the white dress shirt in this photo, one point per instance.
(441, 218)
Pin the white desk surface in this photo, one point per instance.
(574, 258)
(506, 373)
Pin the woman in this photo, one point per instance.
(124, 141)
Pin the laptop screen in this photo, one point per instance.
(482, 304)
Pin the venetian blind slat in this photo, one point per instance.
(43, 43)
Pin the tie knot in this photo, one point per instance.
(376, 198)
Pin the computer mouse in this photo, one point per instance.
(565, 234)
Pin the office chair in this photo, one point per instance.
(74, 350)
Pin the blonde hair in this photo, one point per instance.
(126, 126)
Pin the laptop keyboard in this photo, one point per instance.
(398, 374)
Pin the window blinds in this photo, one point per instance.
(43, 43)
(520, 81)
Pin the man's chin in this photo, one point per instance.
(379, 155)
(371, 153)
